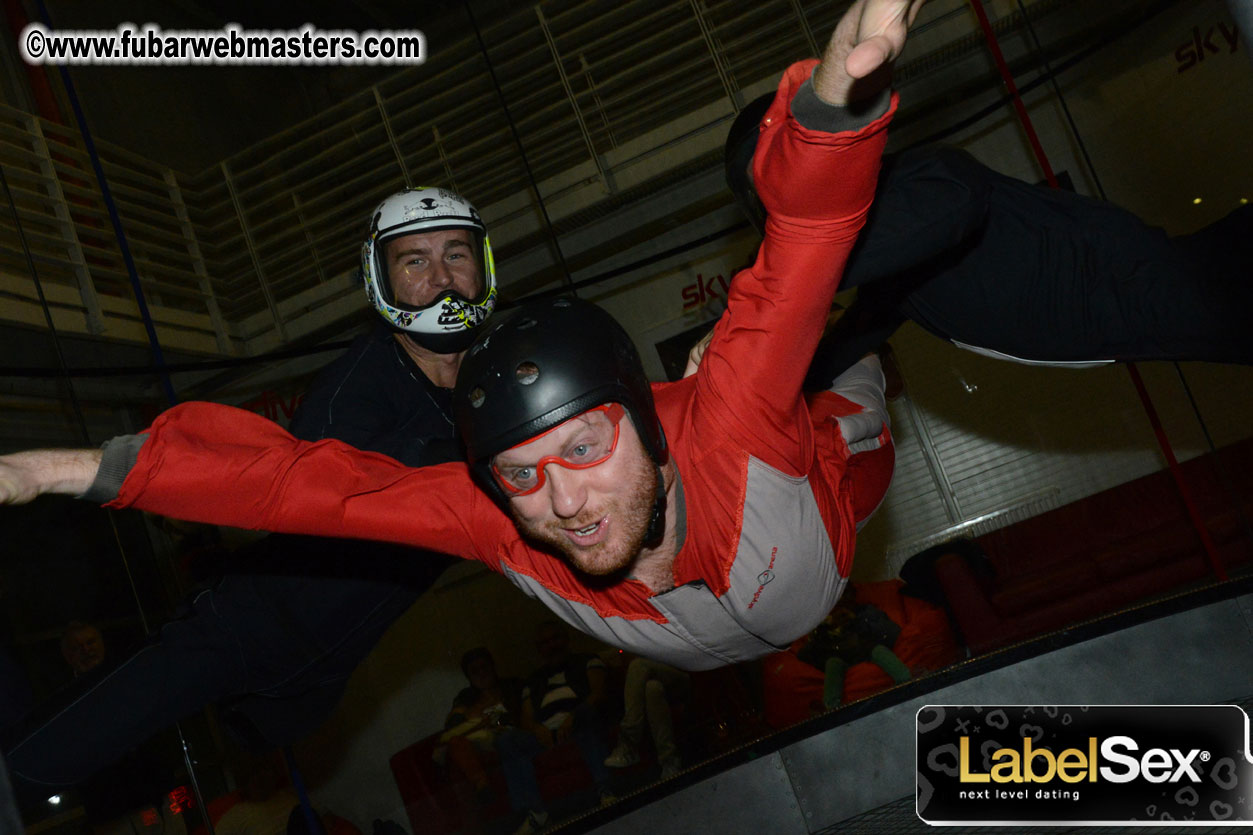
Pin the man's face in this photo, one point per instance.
(425, 265)
(84, 649)
(481, 673)
(596, 516)
(552, 643)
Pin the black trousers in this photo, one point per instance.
(1118, 291)
(274, 649)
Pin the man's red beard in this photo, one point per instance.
(629, 514)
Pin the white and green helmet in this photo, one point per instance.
(451, 321)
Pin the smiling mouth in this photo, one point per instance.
(589, 534)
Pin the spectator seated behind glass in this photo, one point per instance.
(480, 714)
(851, 634)
(651, 687)
(82, 647)
(130, 795)
(564, 699)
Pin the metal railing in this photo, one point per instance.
(257, 250)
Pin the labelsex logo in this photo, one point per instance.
(1039, 765)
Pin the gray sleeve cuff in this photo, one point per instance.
(119, 458)
(815, 114)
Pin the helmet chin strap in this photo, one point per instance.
(442, 343)
(657, 521)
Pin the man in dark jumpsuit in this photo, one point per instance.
(276, 645)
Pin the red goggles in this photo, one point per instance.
(591, 445)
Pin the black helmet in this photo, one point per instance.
(738, 156)
(540, 365)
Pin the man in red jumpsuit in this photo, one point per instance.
(700, 523)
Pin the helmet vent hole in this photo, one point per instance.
(526, 373)
(477, 396)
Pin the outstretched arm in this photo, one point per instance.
(816, 185)
(223, 466)
(26, 475)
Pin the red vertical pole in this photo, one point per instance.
(1172, 463)
(37, 76)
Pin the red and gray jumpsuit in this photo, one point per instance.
(770, 490)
